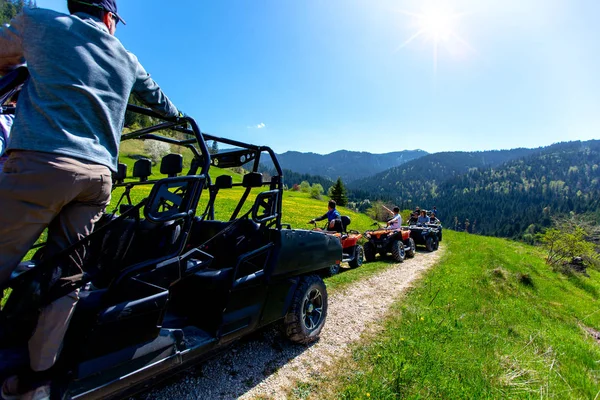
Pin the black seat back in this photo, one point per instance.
(142, 169)
(345, 222)
(171, 165)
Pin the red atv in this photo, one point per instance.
(352, 252)
(384, 241)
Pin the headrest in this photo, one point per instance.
(224, 182)
(142, 169)
(345, 220)
(171, 165)
(121, 174)
(252, 179)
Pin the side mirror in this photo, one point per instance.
(174, 198)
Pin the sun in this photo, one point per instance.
(437, 26)
(437, 23)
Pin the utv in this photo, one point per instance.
(166, 282)
(384, 241)
(353, 252)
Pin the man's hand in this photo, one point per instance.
(312, 221)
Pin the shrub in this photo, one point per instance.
(156, 150)
(316, 190)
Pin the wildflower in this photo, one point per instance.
(422, 318)
(368, 394)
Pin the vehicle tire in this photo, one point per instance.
(429, 243)
(398, 252)
(411, 252)
(334, 269)
(369, 252)
(436, 243)
(439, 236)
(306, 317)
(359, 254)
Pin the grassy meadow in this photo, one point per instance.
(298, 208)
(490, 321)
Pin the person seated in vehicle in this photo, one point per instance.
(433, 219)
(333, 217)
(396, 220)
(414, 216)
(423, 218)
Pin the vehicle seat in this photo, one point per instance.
(229, 245)
(171, 165)
(126, 242)
(345, 222)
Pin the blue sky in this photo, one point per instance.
(321, 76)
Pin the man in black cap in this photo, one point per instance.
(64, 145)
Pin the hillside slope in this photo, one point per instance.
(418, 179)
(521, 195)
(490, 321)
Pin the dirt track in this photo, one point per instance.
(267, 365)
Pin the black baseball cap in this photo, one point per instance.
(106, 5)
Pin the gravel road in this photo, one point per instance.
(266, 365)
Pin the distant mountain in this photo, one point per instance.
(511, 193)
(349, 165)
(418, 179)
(518, 198)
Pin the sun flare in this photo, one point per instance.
(436, 26)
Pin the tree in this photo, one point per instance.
(338, 193)
(156, 150)
(10, 8)
(316, 191)
(568, 241)
(214, 147)
(305, 187)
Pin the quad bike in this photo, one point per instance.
(384, 241)
(428, 235)
(352, 251)
(165, 284)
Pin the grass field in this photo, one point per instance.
(490, 321)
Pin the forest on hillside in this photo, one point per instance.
(516, 198)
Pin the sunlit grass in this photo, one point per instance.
(490, 321)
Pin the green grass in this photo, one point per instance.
(490, 321)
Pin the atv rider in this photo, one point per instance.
(64, 145)
(396, 220)
(332, 216)
(414, 216)
(423, 218)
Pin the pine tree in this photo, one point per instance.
(338, 193)
(214, 148)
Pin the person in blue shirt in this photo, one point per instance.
(423, 218)
(333, 217)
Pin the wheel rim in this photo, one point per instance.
(312, 309)
(360, 253)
